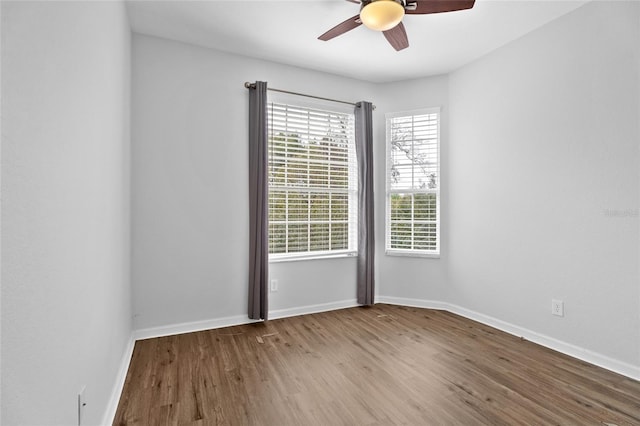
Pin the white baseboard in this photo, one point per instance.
(312, 309)
(116, 392)
(578, 352)
(414, 303)
(189, 327)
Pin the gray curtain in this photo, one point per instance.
(258, 203)
(364, 154)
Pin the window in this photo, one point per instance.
(312, 182)
(413, 183)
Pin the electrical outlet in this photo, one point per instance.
(82, 404)
(557, 307)
(274, 285)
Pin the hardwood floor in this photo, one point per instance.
(383, 365)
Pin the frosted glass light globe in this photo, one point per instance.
(382, 15)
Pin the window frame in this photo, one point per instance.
(352, 188)
(426, 253)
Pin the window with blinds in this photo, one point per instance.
(413, 183)
(312, 182)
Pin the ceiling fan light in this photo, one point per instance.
(382, 15)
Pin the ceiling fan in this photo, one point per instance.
(386, 16)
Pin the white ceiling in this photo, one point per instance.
(287, 31)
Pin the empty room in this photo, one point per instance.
(320, 212)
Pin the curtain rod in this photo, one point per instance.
(252, 86)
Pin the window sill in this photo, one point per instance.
(312, 257)
(402, 253)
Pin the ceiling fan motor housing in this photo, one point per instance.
(363, 3)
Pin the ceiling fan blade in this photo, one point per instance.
(423, 7)
(342, 28)
(354, 1)
(397, 37)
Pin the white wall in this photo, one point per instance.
(543, 195)
(412, 277)
(540, 192)
(539, 142)
(66, 305)
(190, 189)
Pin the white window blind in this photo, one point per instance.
(413, 183)
(312, 182)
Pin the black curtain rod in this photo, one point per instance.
(253, 86)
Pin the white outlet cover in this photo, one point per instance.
(557, 307)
